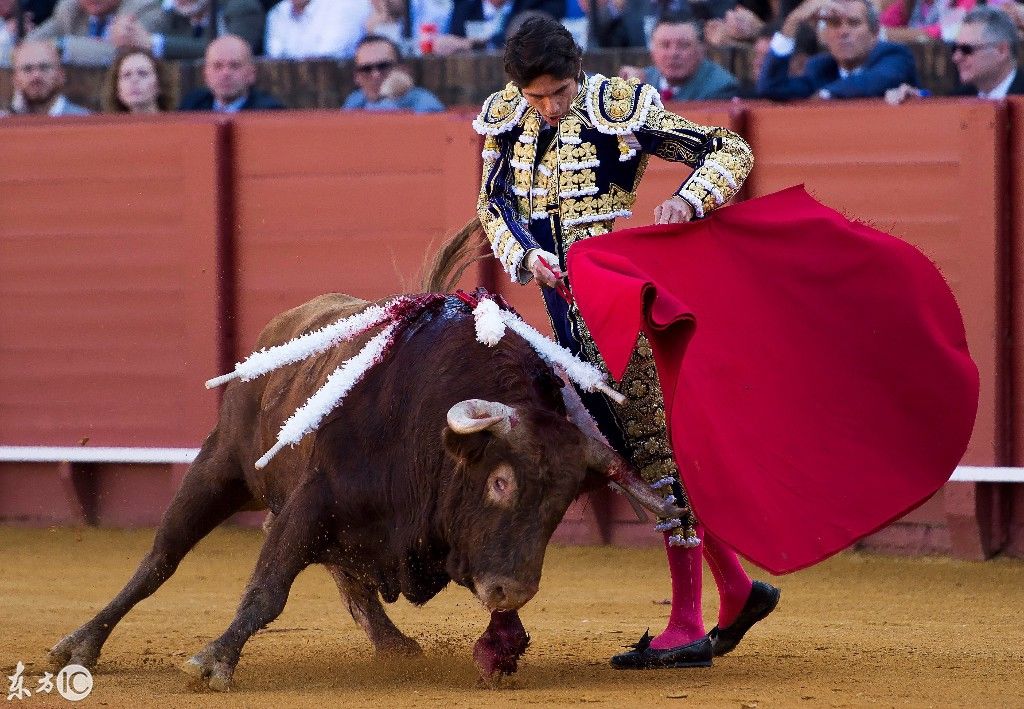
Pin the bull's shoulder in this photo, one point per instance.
(311, 315)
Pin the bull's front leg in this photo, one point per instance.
(498, 650)
(363, 603)
(295, 539)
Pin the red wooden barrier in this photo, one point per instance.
(108, 282)
(343, 202)
(112, 315)
(1015, 413)
(108, 299)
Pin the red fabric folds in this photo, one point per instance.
(816, 374)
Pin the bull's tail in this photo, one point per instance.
(462, 250)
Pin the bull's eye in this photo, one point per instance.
(501, 485)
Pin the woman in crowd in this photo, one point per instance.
(138, 83)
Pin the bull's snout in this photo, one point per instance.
(504, 594)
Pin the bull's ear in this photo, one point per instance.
(466, 448)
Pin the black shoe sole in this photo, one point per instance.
(696, 654)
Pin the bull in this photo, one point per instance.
(448, 461)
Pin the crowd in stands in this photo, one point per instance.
(802, 49)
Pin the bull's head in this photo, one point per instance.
(517, 473)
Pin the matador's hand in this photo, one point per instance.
(540, 271)
(674, 210)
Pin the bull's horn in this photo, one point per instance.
(577, 412)
(605, 459)
(474, 415)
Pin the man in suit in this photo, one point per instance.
(855, 64)
(681, 70)
(38, 80)
(186, 27)
(985, 54)
(81, 28)
(230, 73)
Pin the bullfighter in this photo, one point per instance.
(564, 152)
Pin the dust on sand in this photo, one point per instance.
(857, 630)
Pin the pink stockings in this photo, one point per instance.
(685, 621)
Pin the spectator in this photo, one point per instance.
(923, 20)
(383, 84)
(8, 30)
(985, 54)
(82, 28)
(230, 73)
(186, 27)
(138, 83)
(744, 22)
(389, 18)
(682, 71)
(855, 64)
(38, 10)
(616, 23)
(300, 29)
(704, 10)
(483, 24)
(38, 80)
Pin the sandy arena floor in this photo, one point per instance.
(858, 630)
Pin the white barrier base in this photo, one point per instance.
(47, 454)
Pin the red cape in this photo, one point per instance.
(816, 375)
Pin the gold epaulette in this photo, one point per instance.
(501, 112)
(618, 106)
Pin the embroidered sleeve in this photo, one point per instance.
(720, 158)
(496, 209)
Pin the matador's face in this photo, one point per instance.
(551, 96)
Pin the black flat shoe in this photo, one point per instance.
(643, 657)
(762, 600)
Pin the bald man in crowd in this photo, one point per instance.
(230, 73)
(38, 80)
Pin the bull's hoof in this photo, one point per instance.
(398, 647)
(210, 671)
(79, 648)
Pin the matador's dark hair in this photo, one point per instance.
(541, 46)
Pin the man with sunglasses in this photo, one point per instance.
(383, 84)
(985, 55)
(856, 64)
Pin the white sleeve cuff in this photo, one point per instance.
(782, 45)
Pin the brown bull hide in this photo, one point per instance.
(384, 494)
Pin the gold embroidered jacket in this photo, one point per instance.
(589, 174)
